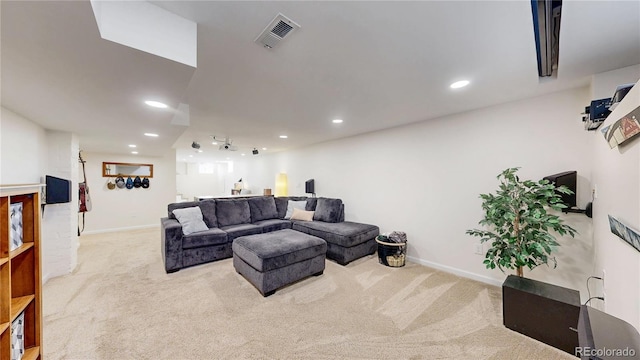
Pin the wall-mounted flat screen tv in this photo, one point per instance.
(309, 187)
(568, 179)
(57, 190)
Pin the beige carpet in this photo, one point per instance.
(120, 304)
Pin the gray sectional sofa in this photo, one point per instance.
(228, 219)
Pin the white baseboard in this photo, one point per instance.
(120, 229)
(456, 271)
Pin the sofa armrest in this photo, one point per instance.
(171, 232)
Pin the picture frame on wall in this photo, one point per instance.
(629, 235)
(623, 129)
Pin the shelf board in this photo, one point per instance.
(19, 304)
(4, 327)
(21, 249)
(3, 261)
(31, 353)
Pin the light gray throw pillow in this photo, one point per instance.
(191, 220)
(294, 205)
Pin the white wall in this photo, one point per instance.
(60, 221)
(616, 174)
(425, 179)
(121, 209)
(23, 149)
(192, 183)
(28, 153)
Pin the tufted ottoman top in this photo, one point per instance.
(277, 249)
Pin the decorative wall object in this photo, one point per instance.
(623, 129)
(17, 337)
(116, 169)
(16, 226)
(624, 232)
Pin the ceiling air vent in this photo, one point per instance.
(279, 28)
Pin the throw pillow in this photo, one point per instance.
(294, 205)
(328, 210)
(191, 220)
(302, 215)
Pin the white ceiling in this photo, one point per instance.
(374, 64)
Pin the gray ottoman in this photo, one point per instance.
(346, 240)
(272, 260)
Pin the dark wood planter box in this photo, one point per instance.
(542, 311)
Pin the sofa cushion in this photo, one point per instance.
(273, 224)
(345, 234)
(278, 249)
(302, 215)
(208, 208)
(311, 204)
(328, 210)
(294, 205)
(234, 231)
(190, 219)
(262, 208)
(232, 212)
(208, 237)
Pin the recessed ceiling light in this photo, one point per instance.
(190, 155)
(243, 154)
(132, 146)
(264, 148)
(337, 121)
(151, 134)
(214, 143)
(134, 152)
(283, 136)
(459, 84)
(156, 104)
(200, 150)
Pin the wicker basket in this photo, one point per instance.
(391, 254)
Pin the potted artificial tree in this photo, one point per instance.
(520, 229)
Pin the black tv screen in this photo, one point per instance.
(309, 187)
(58, 190)
(568, 179)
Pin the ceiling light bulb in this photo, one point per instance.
(264, 148)
(214, 143)
(459, 84)
(283, 136)
(243, 154)
(134, 152)
(337, 121)
(132, 146)
(156, 104)
(151, 134)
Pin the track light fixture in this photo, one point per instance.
(195, 145)
(255, 151)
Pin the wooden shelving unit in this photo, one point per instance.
(20, 273)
